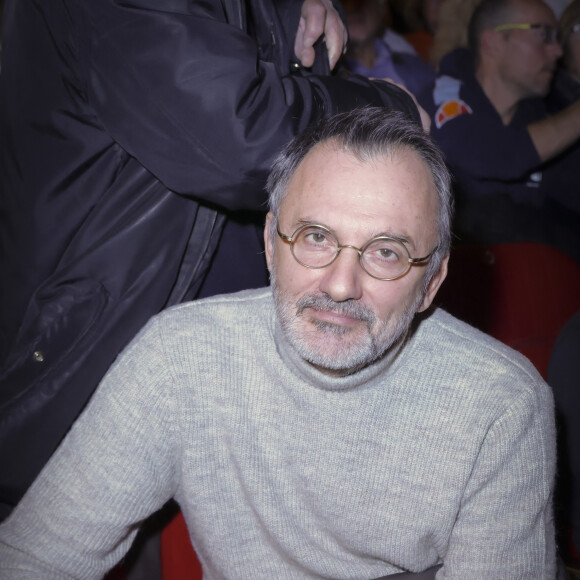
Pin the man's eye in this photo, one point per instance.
(385, 254)
(317, 237)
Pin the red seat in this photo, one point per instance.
(178, 559)
(521, 293)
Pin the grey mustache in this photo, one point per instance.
(351, 308)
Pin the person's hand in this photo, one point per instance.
(425, 118)
(319, 17)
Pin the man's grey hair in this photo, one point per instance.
(368, 134)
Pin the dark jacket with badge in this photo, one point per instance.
(485, 156)
(503, 191)
(127, 128)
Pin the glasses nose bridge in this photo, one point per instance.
(550, 35)
(340, 247)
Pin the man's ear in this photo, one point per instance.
(490, 43)
(268, 242)
(434, 284)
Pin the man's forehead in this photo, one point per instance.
(328, 159)
(378, 194)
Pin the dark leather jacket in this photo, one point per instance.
(126, 127)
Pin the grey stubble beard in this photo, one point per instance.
(353, 356)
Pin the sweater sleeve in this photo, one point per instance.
(504, 526)
(117, 466)
(190, 97)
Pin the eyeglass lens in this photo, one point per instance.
(316, 247)
(549, 34)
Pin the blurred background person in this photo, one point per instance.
(449, 20)
(419, 21)
(451, 33)
(567, 81)
(491, 119)
(369, 52)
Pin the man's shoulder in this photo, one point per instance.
(467, 351)
(455, 92)
(226, 309)
(233, 301)
(449, 100)
(451, 368)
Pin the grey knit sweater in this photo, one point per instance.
(442, 452)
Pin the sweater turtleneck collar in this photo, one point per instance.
(310, 374)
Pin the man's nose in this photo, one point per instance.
(342, 279)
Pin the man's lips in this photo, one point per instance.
(333, 317)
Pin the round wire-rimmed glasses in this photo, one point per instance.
(383, 258)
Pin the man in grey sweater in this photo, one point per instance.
(334, 426)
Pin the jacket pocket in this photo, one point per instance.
(56, 321)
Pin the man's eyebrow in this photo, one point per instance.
(408, 241)
(402, 238)
(308, 222)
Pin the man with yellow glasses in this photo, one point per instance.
(491, 120)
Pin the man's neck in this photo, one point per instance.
(502, 97)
